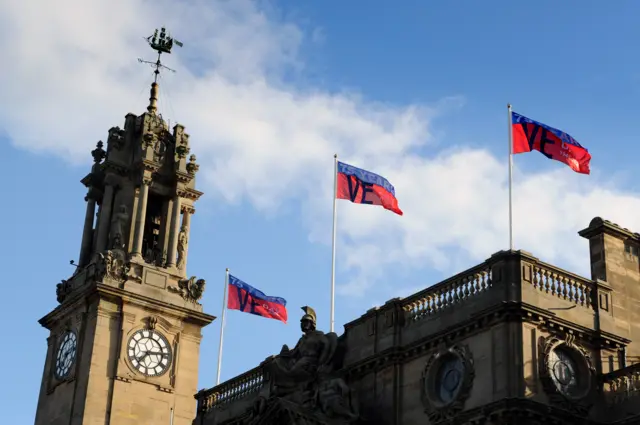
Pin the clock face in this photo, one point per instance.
(149, 352)
(563, 371)
(449, 379)
(66, 354)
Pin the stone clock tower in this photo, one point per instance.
(124, 340)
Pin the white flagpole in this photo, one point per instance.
(224, 311)
(333, 241)
(510, 178)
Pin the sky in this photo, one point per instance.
(269, 91)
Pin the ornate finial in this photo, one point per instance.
(98, 153)
(161, 43)
(192, 167)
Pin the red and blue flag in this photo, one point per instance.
(529, 135)
(364, 187)
(246, 298)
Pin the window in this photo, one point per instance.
(631, 249)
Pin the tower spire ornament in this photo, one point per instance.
(161, 43)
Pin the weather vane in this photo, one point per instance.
(161, 43)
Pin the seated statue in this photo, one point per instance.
(313, 354)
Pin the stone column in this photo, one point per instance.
(175, 230)
(141, 216)
(186, 223)
(105, 218)
(87, 232)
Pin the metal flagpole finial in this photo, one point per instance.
(335, 155)
(508, 106)
(227, 269)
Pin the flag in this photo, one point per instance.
(248, 299)
(531, 135)
(364, 187)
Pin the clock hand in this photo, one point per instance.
(142, 356)
(158, 353)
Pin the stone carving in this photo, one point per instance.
(446, 382)
(192, 166)
(566, 373)
(98, 154)
(182, 247)
(159, 149)
(149, 139)
(190, 289)
(118, 226)
(112, 264)
(116, 137)
(152, 321)
(308, 374)
(62, 290)
(336, 400)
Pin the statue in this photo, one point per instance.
(190, 289)
(312, 354)
(182, 247)
(308, 375)
(113, 264)
(118, 224)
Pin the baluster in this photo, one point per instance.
(536, 277)
(545, 280)
(438, 301)
(467, 286)
(429, 305)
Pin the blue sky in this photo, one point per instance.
(269, 91)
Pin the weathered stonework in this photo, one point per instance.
(524, 342)
(119, 301)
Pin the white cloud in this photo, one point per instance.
(72, 73)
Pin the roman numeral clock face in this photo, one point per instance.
(149, 352)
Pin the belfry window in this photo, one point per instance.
(151, 248)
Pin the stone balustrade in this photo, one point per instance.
(622, 384)
(447, 293)
(562, 284)
(234, 389)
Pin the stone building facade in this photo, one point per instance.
(513, 340)
(124, 340)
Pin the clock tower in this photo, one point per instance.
(124, 340)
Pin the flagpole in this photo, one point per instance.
(333, 241)
(510, 177)
(224, 311)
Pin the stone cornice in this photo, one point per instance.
(189, 193)
(599, 226)
(89, 291)
(183, 313)
(62, 310)
(505, 312)
(517, 410)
